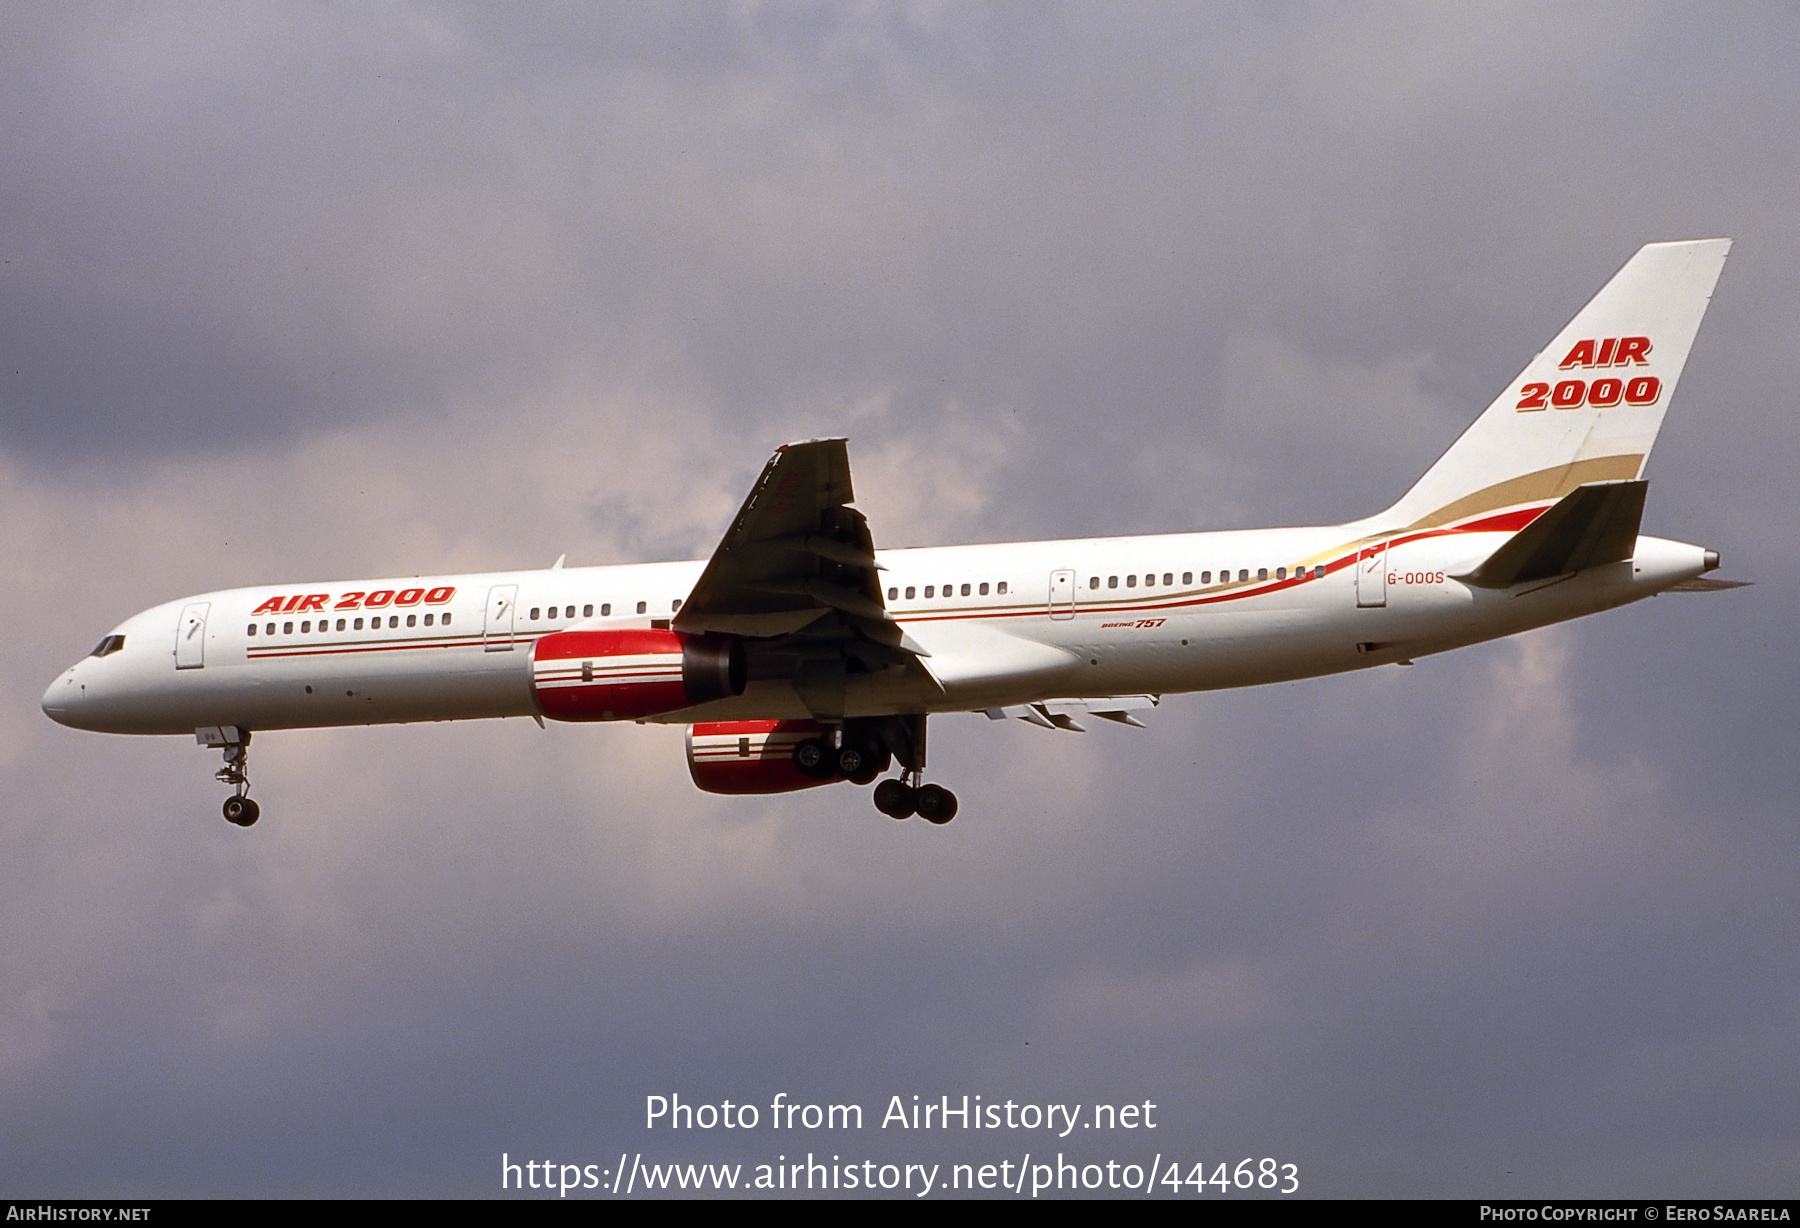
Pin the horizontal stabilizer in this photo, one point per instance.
(1591, 525)
(1700, 584)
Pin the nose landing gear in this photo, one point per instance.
(239, 809)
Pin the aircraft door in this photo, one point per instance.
(1062, 594)
(190, 636)
(497, 629)
(1372, 575)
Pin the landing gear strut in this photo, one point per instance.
(871, 744)
(862, 748)
(908, 794)
(239, 808)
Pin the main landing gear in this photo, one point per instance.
(865, 747)
(239, 808)
(903, 797)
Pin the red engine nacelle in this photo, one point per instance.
(750, 756)
(624, 674)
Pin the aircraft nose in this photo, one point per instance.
(60, 696)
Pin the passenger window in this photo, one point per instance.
(642, 607)
(1001, 588)
(1243, 574)
(1150, 580)
(1319, 572)
(675, 606)
(1093, 581)
(910, 592)
(1187, 577)
(306, 627)
(1281, 573)
(570, 612)
(965, 590)
(534, 613)
(1112, 582)
(269, 630)
(287, 628)
(393, 621)
(893, 594)
(587, 611)
(1131, 581)
(412, 620)
(1262, 573)
(984, 589)
(428, 620)
(251, 631)
(357, 625)
(930, 589)
(340, 625)
(605, 611)
(1168, 577)
(1206, 577)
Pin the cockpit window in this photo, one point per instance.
(108, 646)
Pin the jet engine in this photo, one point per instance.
(624, 674)
(750, 756)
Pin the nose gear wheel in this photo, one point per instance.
(239, 809)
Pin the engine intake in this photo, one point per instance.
(749, 756)
(625, 674)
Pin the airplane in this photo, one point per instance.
(799, 655)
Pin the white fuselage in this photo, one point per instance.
(1004, 624)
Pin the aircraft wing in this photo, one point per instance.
(798, 565)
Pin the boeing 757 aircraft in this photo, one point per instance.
(799, 654)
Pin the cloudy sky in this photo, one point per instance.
(293, 292)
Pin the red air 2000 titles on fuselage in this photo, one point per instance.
(374, 599)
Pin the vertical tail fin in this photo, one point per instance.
(1586, 409)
